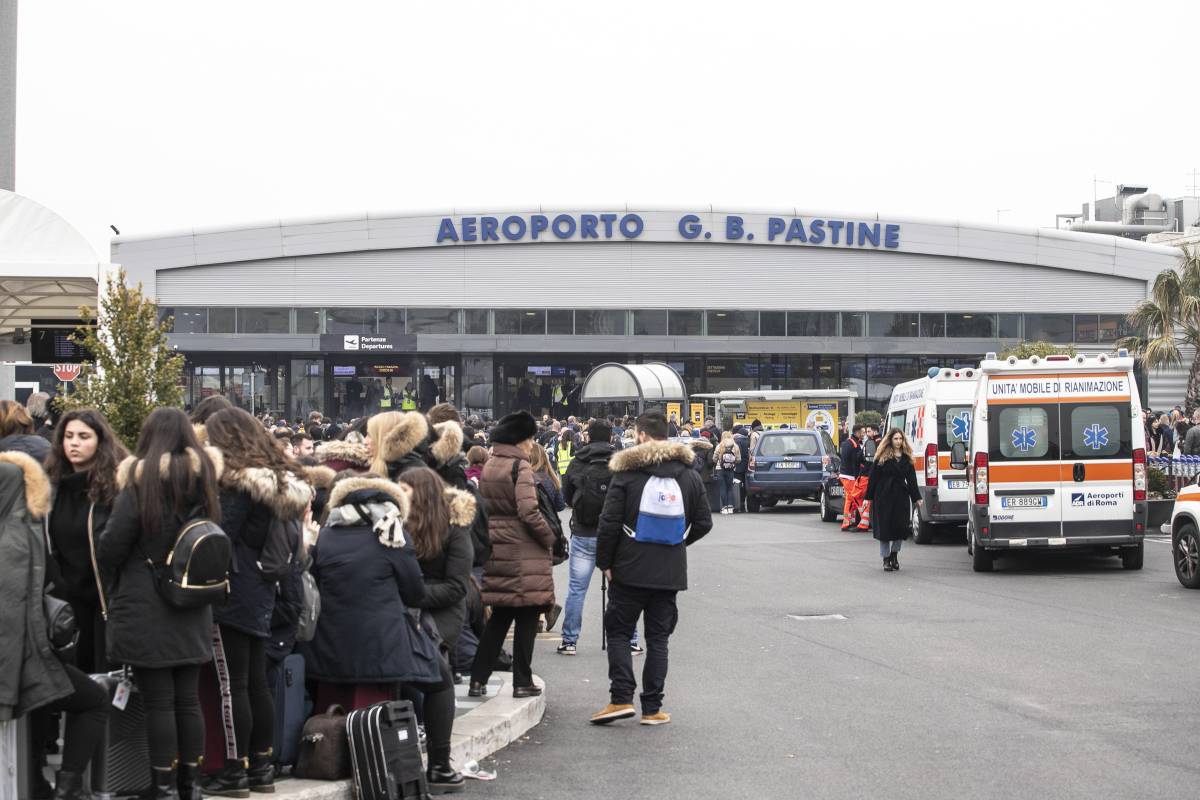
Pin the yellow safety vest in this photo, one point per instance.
(408, 402)
(564, 460)
(386, 400)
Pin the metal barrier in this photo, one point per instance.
(1180, 471)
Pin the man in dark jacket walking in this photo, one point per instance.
(739, 474)
(584, 487)
(645, 528)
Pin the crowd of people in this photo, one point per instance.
(426, 538)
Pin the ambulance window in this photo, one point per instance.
(954, 425)
(1097, 432)
(1023, 432)
(896, 420)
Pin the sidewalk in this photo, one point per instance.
(481, 727)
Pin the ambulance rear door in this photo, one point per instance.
(1023, 460)
(1097, 451)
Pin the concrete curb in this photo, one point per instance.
(479, 733)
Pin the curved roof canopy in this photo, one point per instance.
(654, 382)
(47, 267)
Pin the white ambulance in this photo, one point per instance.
(935, 412)
(1057, 458)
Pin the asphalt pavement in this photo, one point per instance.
(1057, 676)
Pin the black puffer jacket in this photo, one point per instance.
(448, 573)
(364, 633)
(27, 443)
(250, 498)
(445, 456)
(143, 631)
(591, 459)
(642, 564)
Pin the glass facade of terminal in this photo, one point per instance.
(347, 385)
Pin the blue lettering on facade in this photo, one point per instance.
(632, 226)
(446, 231)
(516, 227)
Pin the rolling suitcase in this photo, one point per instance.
(121, 763)
(217, 708)
(385, 753)
(291, 708)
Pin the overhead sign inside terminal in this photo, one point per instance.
(689, 227)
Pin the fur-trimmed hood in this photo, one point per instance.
(700, 443)
(127, 467)
(201, 433)
(286, 502)
(320, 476)
(448, 444)
(348, 452)
(411, 432)
(651, 454)
(462, 507)
(367, 486)
(37, 485)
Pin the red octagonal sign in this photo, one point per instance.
(67, 372)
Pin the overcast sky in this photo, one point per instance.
(158, 116)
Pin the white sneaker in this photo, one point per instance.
(636, 649)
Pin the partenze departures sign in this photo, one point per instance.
(614, 226)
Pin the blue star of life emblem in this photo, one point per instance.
(1024, 438)
(960, 427)
(1095, 437)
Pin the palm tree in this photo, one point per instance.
(1168, 322)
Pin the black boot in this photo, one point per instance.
(477, 690)
(887, 563)
(261, 774)
(189, 782)
(231, 781)
(441, 776)
(69, 786)
(895, 561)
(164, 784)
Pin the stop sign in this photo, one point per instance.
(67, 372)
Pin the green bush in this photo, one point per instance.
(872, 418)
(1157, 484)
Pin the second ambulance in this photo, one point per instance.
(1057, 458)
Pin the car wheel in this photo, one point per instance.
(829, 511)
(1132, 557)
(1185, 546)
(922, 531)
(753, 505)
(981, 559)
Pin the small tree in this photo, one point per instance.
(868, 417)
(1040, 349)
(132, 370)
(1168, 323)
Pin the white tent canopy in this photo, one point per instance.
(654, 383)
(47, 267)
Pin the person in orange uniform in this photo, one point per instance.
(852, 466)
(870, 442)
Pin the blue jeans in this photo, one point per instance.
(887, 548)
(726, 487)
(581, 565)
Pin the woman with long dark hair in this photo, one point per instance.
(82, 467)
(892, 487)
(260, 487)
(170, 480)
(438, 525)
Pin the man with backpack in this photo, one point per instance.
(584, 486)
(654, 509)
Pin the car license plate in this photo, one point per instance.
(957, 483)
(835, 491)
(1026, 501)
(788, 465)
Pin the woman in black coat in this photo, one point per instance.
(892, 487)
(82, 467)
(169, 481)
(259, 489)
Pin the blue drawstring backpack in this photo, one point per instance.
(661, 518)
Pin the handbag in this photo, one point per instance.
(61, 627)
(426, 645)
(324, 749)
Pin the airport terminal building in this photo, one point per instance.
(497, 310)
